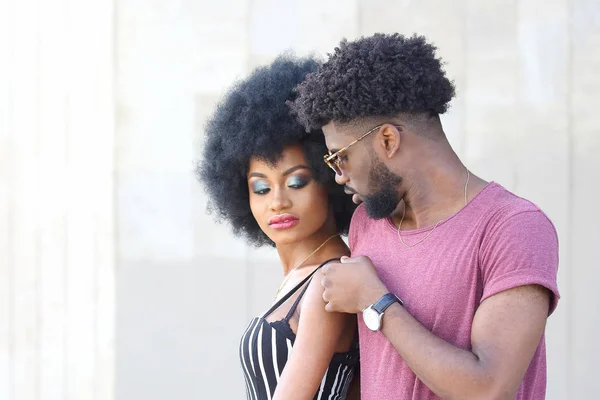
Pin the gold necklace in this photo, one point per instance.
(287, 277)
(436, 224)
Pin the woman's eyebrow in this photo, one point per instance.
(293, 169)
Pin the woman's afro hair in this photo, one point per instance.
(254, 121)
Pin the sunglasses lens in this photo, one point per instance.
(333, 164)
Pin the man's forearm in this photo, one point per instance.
(447, 370)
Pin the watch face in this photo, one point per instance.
(371, 318)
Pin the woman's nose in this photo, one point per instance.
(280, 200)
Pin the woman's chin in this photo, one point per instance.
(284, 238)
(284, 241)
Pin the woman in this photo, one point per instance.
(265, 176)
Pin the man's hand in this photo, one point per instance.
(351, 285)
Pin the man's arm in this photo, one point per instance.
(506, 332)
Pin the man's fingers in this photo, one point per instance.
(354, 260)
(330, 267)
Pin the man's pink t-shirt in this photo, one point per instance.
(498, 241)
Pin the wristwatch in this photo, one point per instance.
(373, 314)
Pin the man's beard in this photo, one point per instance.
(383, 185)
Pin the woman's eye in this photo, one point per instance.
(297, 182)
(260, 188)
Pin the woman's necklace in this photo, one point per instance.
(287, 277)
(436, 224)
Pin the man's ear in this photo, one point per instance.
(389, 139)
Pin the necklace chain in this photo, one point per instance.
(436, 224)
(287, 277)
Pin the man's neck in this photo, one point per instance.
(434, 194)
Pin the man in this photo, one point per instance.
(454, 276)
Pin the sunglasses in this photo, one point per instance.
(334, 160)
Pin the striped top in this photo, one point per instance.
(265, 348)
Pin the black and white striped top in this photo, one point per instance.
(265, 348)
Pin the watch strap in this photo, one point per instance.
(385, 301)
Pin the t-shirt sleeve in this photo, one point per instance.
(521, 250)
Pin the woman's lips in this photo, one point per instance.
(283, 221)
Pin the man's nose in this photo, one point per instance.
(341, 179)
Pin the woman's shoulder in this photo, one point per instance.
(314, 292)
(341, 325)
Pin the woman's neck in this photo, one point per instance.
(296, 253)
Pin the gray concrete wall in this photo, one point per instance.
(57, 236)
(524, 116)
(115, 284)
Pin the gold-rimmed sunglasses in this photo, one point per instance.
(334, 160)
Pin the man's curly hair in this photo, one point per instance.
(253, 121)
(377, 76)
